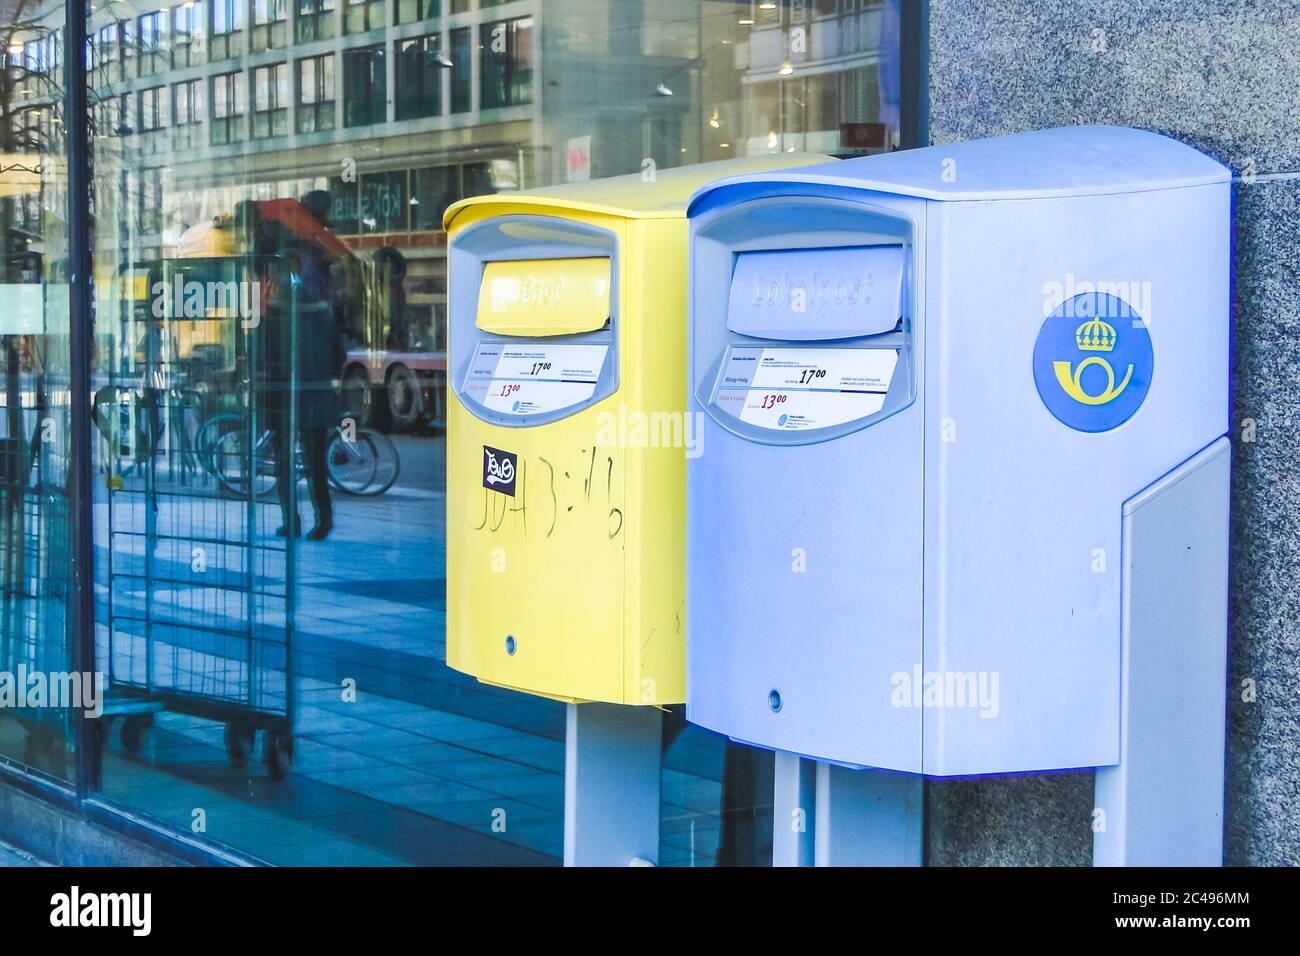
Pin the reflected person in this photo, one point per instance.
(315, 340)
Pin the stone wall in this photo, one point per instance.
(1221, 76)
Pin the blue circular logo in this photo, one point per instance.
(1093, 362)
(515, 406)
(782, 420)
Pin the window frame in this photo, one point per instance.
(506, 69)
(408, 87)
(228, 127)
(324, 78)
(273, 78)
(375, 97)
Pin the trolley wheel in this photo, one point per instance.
(277, 752)
(239, 743)
(133, 731)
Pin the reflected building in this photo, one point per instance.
(400, 107)
(219, 633)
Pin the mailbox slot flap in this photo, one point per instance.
(540, 297)
(807, 295)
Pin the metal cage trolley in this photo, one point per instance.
(200, 592)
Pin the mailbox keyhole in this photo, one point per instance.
(774, 701)
(510, 644)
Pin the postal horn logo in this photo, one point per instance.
(1093, 362)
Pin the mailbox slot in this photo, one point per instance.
(818, 337)
(538, 342)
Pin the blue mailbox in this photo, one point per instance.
(962, 502)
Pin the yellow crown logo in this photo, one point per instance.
(1095, 336)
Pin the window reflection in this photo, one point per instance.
(269, 388)
(365, 86)
(35, 509)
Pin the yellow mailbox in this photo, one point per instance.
(567, 435)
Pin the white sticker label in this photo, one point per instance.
(534, 378)
(802, 389)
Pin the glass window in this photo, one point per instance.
(461, 78)
(270, 610)
(269, 11)
(187, 113)
(270, 24)
(362, 15)
(151, 32)
(187, 102)
(185, 33)
(226, 26)
(506, 65)
(384, 202)
(127, 40)
(107, 52)
(409, 11)
(153, 108)
(365, 86)
(129, 122)
(317, 20)
(36, 583)
(147, 199)
(227, 15)
(316, 93)
(345, 205)
(270, 100)
(229, 93)
(419, 78)
(432, 191)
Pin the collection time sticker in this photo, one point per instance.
(802, 389)
(532, 379)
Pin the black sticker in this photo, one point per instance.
(499, 470)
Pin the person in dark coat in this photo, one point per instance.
(311, 335)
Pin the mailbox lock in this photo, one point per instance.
(774, 701)
(510, 644)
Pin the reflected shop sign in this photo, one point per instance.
(377, 203)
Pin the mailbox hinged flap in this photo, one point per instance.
(817, 294)
(541, 297)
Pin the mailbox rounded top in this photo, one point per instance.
(650, 194)
(1068, 161)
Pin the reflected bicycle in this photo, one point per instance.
(359, 461)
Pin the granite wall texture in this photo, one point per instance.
(1221, 76)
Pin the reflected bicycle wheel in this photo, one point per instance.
(210, 432)
(233, 464)
(352, 464)
(388, 464)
